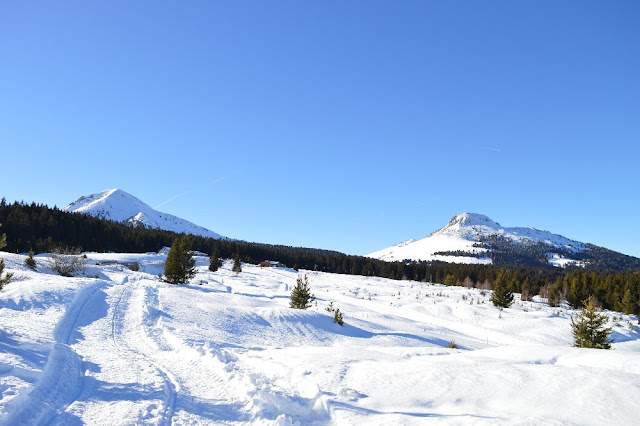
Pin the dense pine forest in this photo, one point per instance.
(40, 228)
(503, 251)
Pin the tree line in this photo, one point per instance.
(40, 228)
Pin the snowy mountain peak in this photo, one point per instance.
(472, 219)
(120, 206)
(469, 226)
(462, 241)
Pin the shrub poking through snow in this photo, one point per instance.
(337, 317)
(67, 261)
(301, 297)
(330, 308)
(501, 296)
(179, 267)
(30, 261)
(237, 266)
(589, 327)
(452, 344)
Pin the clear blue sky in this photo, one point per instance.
(340, 125)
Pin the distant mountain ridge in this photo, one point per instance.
(120, 206)
(475, 238)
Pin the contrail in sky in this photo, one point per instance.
(182, 194)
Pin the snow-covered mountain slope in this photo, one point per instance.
(120, 206)
(116, 347)
(467, 229)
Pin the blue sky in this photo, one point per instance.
(341, 125)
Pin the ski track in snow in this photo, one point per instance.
(62, 379)
(123, 346)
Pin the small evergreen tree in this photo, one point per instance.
(4, 280)
(301, 297)
(179, 267)
(337, 317)
(627, 305)
(237, 265)
(501, 296)
(214, 260)
(30, 261)
(589, 327)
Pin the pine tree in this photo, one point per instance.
(525, 291)
(301, 297)
(589, 327)
(237, 265)
(214, 260)
(180, 267)
(627, 303)
(30, 261)
(337, 317)
(4, 280)
(501, 296)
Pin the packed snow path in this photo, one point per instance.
(124, 348)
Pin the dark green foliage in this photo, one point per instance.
(452, 345)
(3, 239)
(40, 227)
(525, 290)
(589, 327)
(337, 317)
(237, 265)
(30, 261)
(500, 295)
(330, 308)
(555, 296)
(627, 304)
(180, 266)
(301, 297)
(4, 280)
(214, 260)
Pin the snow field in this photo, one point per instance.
(124, 348)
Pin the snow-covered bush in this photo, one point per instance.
(67, 261)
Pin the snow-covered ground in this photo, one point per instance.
(119, 347)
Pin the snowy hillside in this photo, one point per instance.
(466, 229)
(120, 206)
(118, 347)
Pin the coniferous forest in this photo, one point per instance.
(615, 285)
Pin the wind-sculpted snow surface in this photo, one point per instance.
(227, 349)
